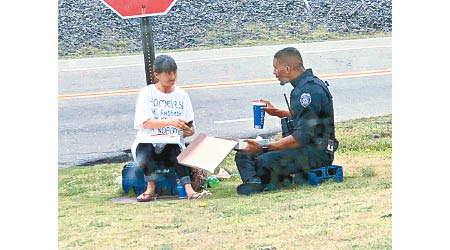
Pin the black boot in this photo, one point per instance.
(253, 185)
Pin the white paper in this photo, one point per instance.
(169, 139)
(258, 139)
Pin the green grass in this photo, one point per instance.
(356, 213)
(287, 33)
(365, 135)
(221, 37)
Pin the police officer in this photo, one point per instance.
(310, 143)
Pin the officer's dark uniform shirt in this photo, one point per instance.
(313, 125)
(312, 114)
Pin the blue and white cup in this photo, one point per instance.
(258, 114)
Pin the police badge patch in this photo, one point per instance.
(305, 99)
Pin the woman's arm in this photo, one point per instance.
(160, 123)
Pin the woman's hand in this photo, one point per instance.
(188, 132)
(177, 123)
(182, 126)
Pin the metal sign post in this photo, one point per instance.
(148, 48)
(143, 9)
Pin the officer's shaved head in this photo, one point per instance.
(290, 56)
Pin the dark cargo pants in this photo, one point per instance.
(150, 161)
(279, 167)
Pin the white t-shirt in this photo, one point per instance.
(152, 103)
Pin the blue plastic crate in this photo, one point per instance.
(133, 177)
(166, 182)
(319, 175)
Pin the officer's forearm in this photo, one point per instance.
(284, 143)
(283, 113)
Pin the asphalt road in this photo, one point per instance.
(95, 128)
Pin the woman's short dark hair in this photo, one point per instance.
(164, 63)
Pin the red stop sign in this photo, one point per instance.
(139, 8)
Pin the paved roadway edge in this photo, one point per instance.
(124, 155)
(226, 84)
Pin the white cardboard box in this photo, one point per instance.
(170, 139)
(259, 140)
(206, 152)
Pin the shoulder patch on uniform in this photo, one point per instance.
(305, 99)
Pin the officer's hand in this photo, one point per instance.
(252, 147)
(269, 105)
(270, 109)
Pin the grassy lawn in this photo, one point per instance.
(356, 213)
(263, 37)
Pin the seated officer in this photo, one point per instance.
(310, 144)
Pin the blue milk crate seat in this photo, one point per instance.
(319, 175)
(133, 177)
(166, 182)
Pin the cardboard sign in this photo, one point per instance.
(206, 152)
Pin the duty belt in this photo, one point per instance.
(326, 144)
